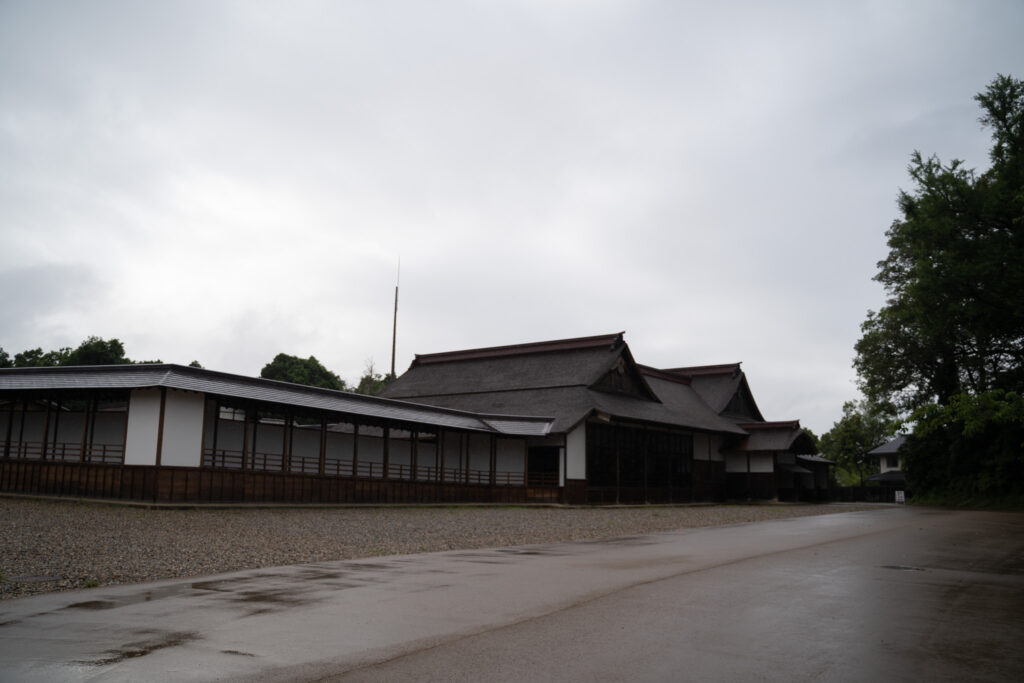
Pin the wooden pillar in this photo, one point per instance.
(414, 442)
(323, 445)
(245, 437)
(89, 403)
(285, 441)
(216, 432)
(355, 449)
(10, 426)
(21, 429)
(46, 432)
(92, 432)
(387, 452)
(440, 455)
(56, 428)
(494, 460)
(255, 428)
(160, 426)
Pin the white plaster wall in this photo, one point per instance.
(714, 449)
(183, 428)
(269, 438)
(306, 442)
(576, 453)
(143, 424)
(735, 462)
(701, 447)
(452, 450)
(511, 455)
(371, 448)
(883, 467)
(480, 452)
(762, 463)
(108, 429)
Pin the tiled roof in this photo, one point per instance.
(263, 390)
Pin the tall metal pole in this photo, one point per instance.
(394, 328)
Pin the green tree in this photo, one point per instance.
(308, 371)
(862, 428)
(5, 359)
(96, 351)
(372, 382)
(37, 358)
(969, 450)
(953, 321)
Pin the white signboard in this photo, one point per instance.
(899, 497)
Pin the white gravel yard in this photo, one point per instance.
(53, 545)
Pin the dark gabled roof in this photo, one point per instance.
(125, 377)
(723, 387)
(777, 436)
(565, 363)
(569, 379)
(890, 447)
(605, 341)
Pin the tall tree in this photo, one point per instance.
(372, 382)
(308, 371)
(953, 321)
(862, 427)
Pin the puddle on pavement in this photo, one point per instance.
(143, 647)
(902, 567)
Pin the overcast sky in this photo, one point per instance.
(224, 181)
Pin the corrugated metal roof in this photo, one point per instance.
(263, 390)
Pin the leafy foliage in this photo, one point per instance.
(92, 351)
(372, 382)
(948, 346)
(954, 317)
(969, 450)
(307, 371)
(862, 427)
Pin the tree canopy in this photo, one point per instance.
(862, 427)
(308, 371)
(372, 382)
(947, 349)
(953, 321)
(92, 351)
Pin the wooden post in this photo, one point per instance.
(216, 431)
(323, 444)
(355, 449)
(414, 442)
(85, 428)
(46, 432)
(285, 434)
(245, 437)
(494, 460)
(10, 425)
(160, 427)
(21, 429)
(387, 452)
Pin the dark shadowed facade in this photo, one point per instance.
(575, 421)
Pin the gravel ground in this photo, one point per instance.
(48, 546)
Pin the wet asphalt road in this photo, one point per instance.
(894, 594)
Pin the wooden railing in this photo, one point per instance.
(230, 459)
(65, 452)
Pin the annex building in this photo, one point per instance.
(573, 421)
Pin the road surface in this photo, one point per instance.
(896, 594)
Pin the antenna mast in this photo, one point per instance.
(394, 327)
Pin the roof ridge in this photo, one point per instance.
(573, 344)
(719, 369)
